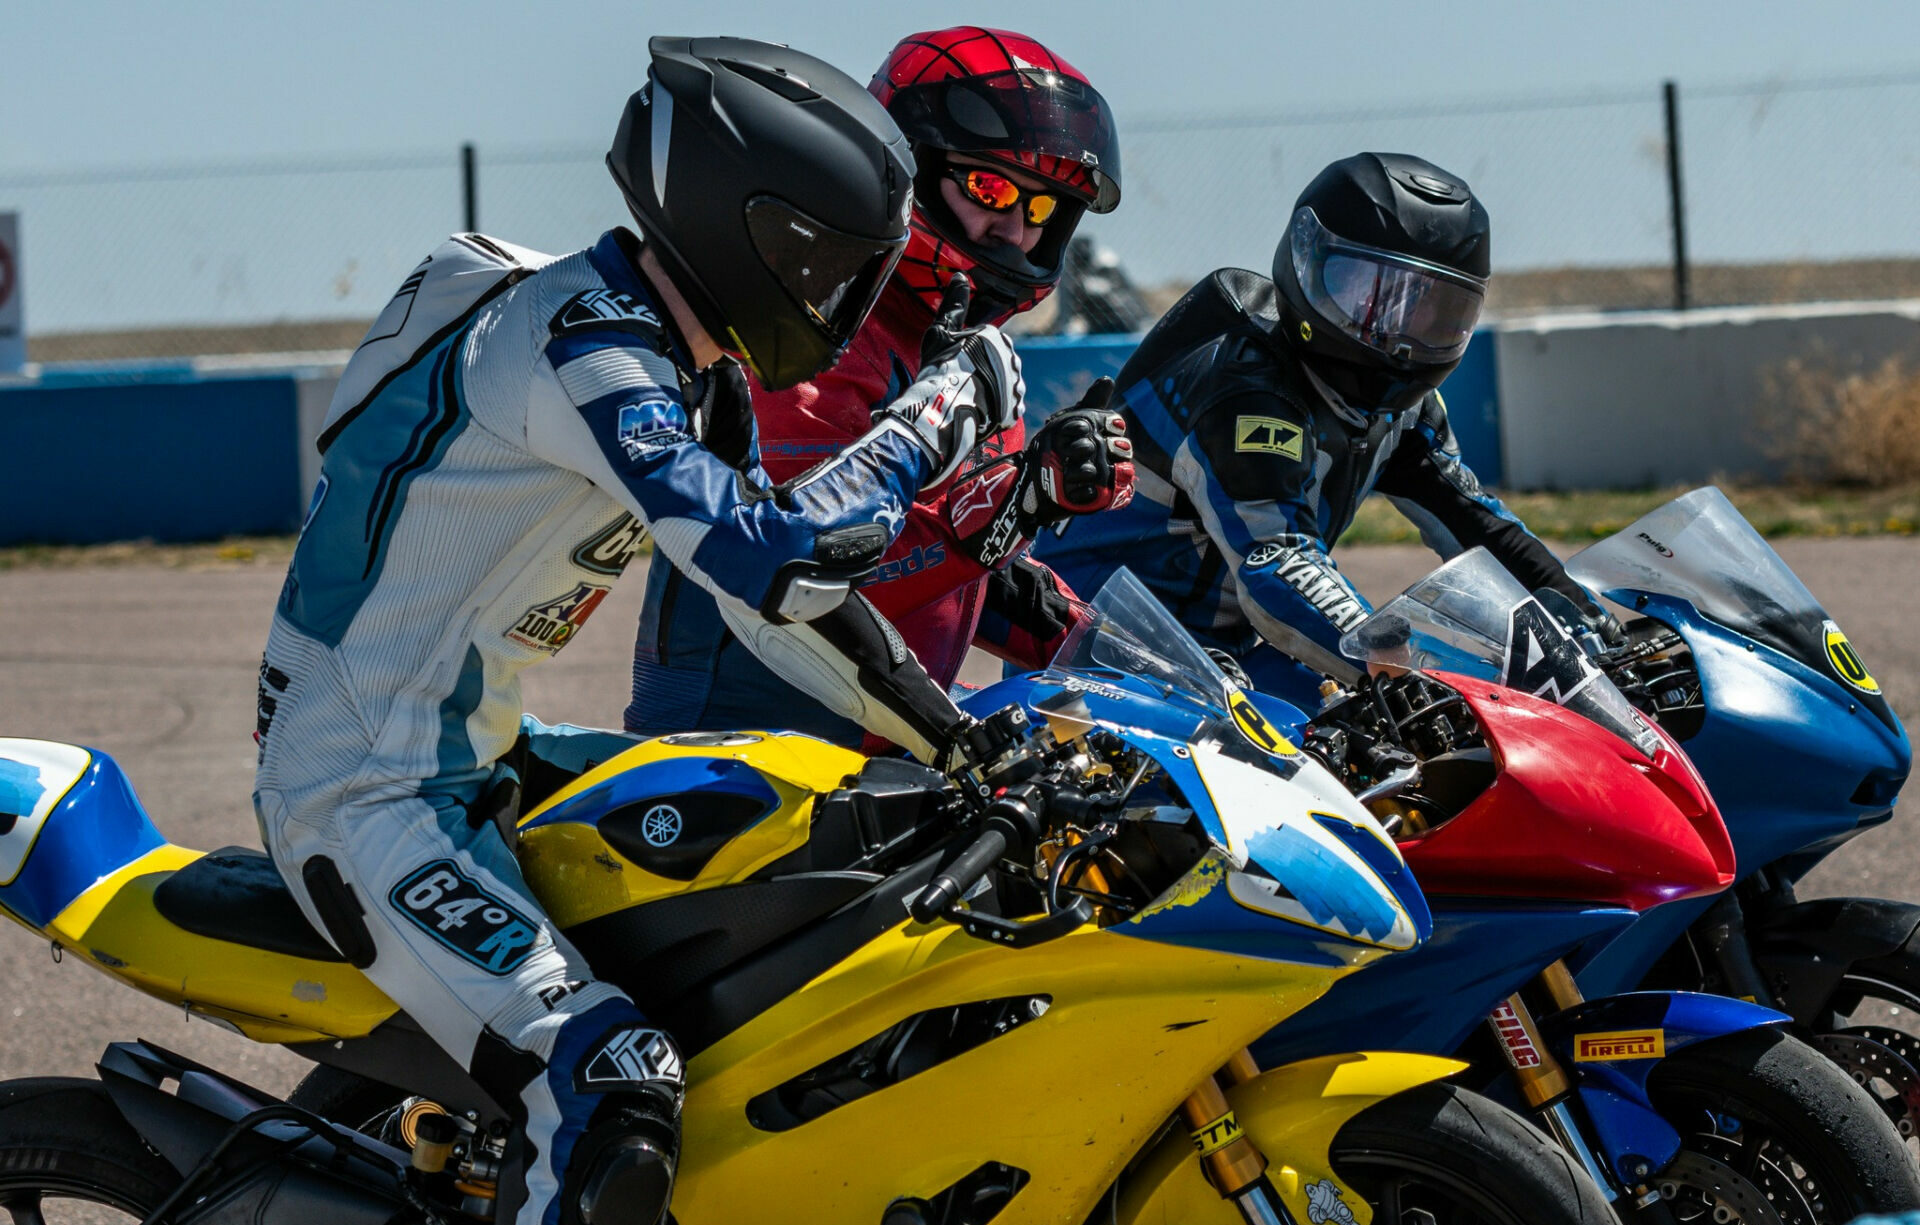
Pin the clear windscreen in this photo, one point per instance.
(1698, 548)
(1135, 634)
(1472, 617)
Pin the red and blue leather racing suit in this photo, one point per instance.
(940, 584)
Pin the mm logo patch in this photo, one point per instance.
(1846, 662)
(1269, 434)
(1620, 1044)
(448, 905)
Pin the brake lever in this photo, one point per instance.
(1018, 933)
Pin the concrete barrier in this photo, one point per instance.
(202, 449)
(1624, 401)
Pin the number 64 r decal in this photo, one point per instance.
(450, 906)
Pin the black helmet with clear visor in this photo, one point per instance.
(1381, 276)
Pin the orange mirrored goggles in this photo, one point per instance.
(998, 194)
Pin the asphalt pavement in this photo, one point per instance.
(157, 667)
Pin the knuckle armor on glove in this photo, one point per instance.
(1084, 463)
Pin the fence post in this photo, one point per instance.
(1677, 197)
(470, 194)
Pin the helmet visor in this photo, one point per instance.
(1404, 308)
(1027, 110)
(834, 277)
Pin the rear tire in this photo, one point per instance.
(1790, 1121)
(1441, 1154)
(63, 1139)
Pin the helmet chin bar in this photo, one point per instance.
(1372, 389)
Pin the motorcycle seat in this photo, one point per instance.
(236, 894)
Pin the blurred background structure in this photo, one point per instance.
(1789, 191)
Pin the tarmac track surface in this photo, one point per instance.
(157, 667)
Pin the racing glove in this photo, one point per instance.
(969, 386)
(723, 417)
(1079, 462)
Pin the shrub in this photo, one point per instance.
(1850, 428)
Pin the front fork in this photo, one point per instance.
(1547, 1087)
(1233, 1164)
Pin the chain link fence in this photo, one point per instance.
(1793, 191)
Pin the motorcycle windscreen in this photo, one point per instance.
(1698, 548)
(1472, 617)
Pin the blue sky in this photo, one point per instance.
(1785, 172)
(91, 84)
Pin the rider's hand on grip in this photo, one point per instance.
(1083, 458)
(969, 387)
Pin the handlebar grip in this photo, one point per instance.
(960, 875)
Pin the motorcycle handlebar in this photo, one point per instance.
(960, 875)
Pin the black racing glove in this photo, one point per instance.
(1080, 461)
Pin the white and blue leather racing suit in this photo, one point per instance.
(496, 446)
(1247, 469)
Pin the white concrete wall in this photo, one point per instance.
(1661, 397)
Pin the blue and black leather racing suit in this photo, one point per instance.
(1248, 468)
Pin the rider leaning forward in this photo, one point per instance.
(1012, 147)
(1262, 413)
(509, 423)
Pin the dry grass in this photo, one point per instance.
(1857, 428)
(235, 551)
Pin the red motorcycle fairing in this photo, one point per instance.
(1574, 812)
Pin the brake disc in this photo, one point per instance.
(1699, 1189)
(1883, 1062)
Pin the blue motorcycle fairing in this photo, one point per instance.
(1162, 725)
(96, 829)
(1613, 1089)
(1430, 999)
(1832, 769)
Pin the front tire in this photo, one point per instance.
(63, 1144)
(1441, 1155)
(1777, 1112)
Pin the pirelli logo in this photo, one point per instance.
(1269, 434)
(1620, 1044)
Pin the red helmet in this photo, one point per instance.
(1003, 97)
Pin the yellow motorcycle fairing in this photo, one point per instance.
(1070, 1097)
(267, 996)
(578, 874)
(1292, 1114)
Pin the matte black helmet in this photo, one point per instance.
(1381, 277)
(774, 190)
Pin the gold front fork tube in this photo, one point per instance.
(1231, 1162)
(1541, 1077)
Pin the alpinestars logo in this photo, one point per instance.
(633, 1057)
(609, 550)
(601, 310)
(552, 625)
(973, 504)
